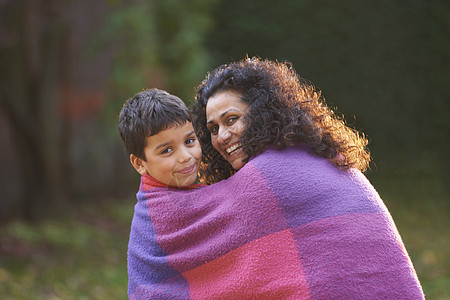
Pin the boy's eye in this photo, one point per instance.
(189, 141)
(166, 151)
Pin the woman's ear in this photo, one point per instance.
(138, 164)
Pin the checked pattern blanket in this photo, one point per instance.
(288, 225)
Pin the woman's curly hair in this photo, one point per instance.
(284, 110)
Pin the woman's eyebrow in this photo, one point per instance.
(224, 114)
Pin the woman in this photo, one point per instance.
(277, 108)
(247, 111)
(288, 213)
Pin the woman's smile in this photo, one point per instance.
(236, 148)
(225, 112)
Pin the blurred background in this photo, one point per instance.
(67, 189)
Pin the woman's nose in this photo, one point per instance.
(223, 135)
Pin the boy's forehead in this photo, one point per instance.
(173, 125)
(154, 128)
(172, 133)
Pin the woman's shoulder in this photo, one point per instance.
(287, 156)
(298, 164)
(297, 173)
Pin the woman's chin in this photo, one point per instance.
(237, 163)
(236, 159)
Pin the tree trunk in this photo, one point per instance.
(28, 83)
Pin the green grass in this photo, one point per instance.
(420, 207)
(81, 254)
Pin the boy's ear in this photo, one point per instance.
(138, 164)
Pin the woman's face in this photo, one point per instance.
(224, 118)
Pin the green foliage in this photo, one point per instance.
(182, 26)
(132, 32)
(129, 38)
(157, 44)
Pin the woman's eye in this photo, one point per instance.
(231, 120)
(213, 130)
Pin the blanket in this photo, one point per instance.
(288, 225)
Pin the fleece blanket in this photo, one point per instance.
(288, 225)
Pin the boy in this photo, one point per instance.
(158, 135)
(157, 131)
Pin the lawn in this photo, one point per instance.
(81, 253)
(420, 207)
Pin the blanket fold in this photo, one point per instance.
(288, 225)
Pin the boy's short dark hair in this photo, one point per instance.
(148, 113)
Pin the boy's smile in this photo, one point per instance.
(173, 156)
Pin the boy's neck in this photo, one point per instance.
(148, 182)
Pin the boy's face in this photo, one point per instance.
(173, 156)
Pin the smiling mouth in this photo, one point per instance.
(233, 149)
(187, 170)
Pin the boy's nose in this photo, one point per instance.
(185, 155)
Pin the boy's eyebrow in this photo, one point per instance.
(223, 114)
(190, 133)
(163, 145)
(171, 141)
